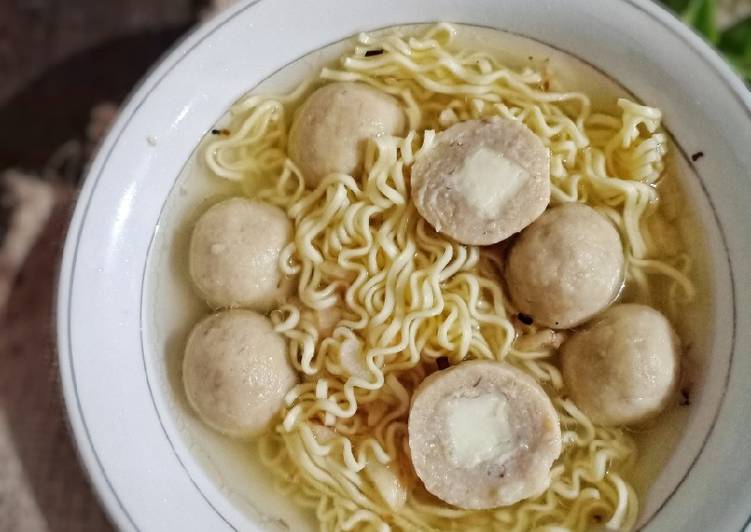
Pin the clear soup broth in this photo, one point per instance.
(235, 465)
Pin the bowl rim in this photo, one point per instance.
(91, 461)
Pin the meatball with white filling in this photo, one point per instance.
(482, 180)
(566, 267)
(623, 367)
(483, 434)
(236, 372)
(330, 130)
(234, 254)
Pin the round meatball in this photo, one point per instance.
(566, 267)
(482, 181)
(623, 368)
(483, 434)
(236, 372)
(234, 254)
(332, 127)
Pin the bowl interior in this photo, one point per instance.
(171, 307)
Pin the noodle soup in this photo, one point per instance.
(363, 332)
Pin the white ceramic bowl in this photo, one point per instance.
(150, 475)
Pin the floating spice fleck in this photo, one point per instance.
(685, 397)
(526, 319)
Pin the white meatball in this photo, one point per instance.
(331, 129)
(234, 254)
(482, 181)
(623, 368)
(236, 372)
(483, 434)
(566, 267)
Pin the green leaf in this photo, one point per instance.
(735, 44)
(679, 6)
(701, 15)
(742, 66)
(737, 38)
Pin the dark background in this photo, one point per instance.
(58, 57)
(58, 60)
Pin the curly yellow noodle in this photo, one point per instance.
(407, 295)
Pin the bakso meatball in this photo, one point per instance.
(482, 181)
(566, 267)
(234, 254)
(236, 372)
(623, 367)
(483, 434)
(331, 129)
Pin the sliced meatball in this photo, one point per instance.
(482, 181)
(331, 128)
(234, 255)
(566, 267)
(483, 434)
(623, 367)
(236, 372)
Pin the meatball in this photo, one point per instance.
(483, 434)
(566, 267)
(482, 181)
(236, 372)
(332, 127)
(623, 368)
(234, 254)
